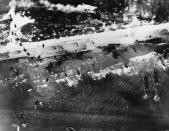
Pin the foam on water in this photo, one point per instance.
(135, 65)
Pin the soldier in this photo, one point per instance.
(43, 45)
(15, 26)
(35, 107)
(36, 104)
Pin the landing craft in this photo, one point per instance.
(146, 86)
(156, 86)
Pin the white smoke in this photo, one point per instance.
(25, 3)
(68, 8)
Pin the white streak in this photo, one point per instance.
(70, 81)
(68, 8)
(25, 3)
(148, 62)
